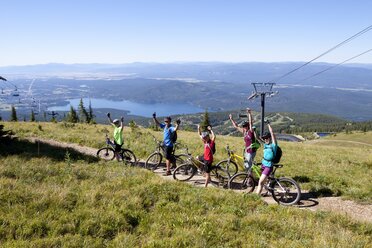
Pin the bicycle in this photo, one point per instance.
(284, 190)
(108, 153)
(233, 163)
(154, 159)
(187, 170)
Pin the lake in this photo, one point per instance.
(134, 108)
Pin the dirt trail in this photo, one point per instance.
(354, 210)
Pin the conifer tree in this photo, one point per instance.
(90, 113)
(83, 114)
(205, 123)
(13, 115)
(32, 117)
(72, 115)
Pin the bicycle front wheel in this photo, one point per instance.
(128, 157)
(219, 176)
(285, 191)
(180, 159)
(184, 172)
(106, 153)
(242, 182)
(229, 166)
(153, 161)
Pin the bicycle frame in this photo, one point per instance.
(255, 170)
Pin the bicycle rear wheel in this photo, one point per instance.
(153, 161)
(229, 166)
(128, 157)
(285, 191)
(242, 182)
(184, 172)
(106, 153)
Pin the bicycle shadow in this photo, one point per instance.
(308, 199)
(27, 149)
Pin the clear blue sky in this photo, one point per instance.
(124, 31)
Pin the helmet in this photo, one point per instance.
(266, 135)
(168, 119)
(204, 134)
(116, 121)
(245, 124)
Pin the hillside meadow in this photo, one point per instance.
(65, 199)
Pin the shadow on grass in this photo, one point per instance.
(26, 149)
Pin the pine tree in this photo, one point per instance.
(72, 116)
(83, 114)
(205, 123)
(32, 117)
(90, 113)
(13, 116)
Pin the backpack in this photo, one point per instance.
(277, 155)
(173, 137)
(256, 145)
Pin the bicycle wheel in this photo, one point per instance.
(184, 172)
(106, 153)
(230, 166)
(180, 159)
(285, 191)
(219, 176)
(153, 161)
(242, 182)
(128, 157)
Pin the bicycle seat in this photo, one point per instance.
(278, 165)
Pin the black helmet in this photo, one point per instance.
(266, 135)
(245, 124)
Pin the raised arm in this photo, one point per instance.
(250, 121)
(122, 123)
(235, 125)
(273, 138)
(213, 137)
(155, 120)
(199, 132)
(178, 122)
(109, 118)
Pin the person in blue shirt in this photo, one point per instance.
(169, 129)
(269, 151)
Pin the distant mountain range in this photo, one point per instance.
(344, 91)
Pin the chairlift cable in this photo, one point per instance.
(343, 62)
(326, 52)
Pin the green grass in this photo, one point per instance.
(72, 201)
(325, 169)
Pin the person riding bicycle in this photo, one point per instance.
(118, 134)
(248, 132)
(209, 147)
(169, 130)
(269, 151)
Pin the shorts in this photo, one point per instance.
(168, 152)
(249, 157)
(207, 164)
(117, 147)
(266, 170)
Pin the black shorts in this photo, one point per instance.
(168, 152)
(207, 164)
(117, 147)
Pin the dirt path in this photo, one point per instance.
(332, 204)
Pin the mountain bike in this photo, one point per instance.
(233, 163)
(154, 159)
(108, 153)
(187, 170)
(285, 191)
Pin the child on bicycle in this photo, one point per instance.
(248, 132)
(209, 147)
(118, 134)
(269, 151)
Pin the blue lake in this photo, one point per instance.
(134, 108)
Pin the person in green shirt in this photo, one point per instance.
(118, 134)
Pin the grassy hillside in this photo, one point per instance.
(65, 199)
